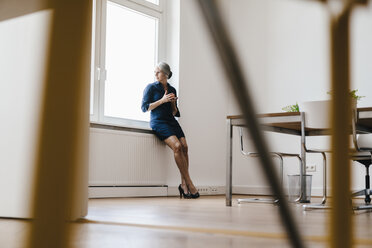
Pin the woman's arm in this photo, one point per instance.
(174, 108)
(166, 98)
(156, 104)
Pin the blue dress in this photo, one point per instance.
(162, 120)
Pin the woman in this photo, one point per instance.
(161, 99)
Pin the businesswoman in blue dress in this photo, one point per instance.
(161, 99)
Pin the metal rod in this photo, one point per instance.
(324, 199)
(232, 68)
(303, 156)
(229, 164)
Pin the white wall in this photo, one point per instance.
(297, 69)
(298, 51)
(202, 102)
(172, 20)
(284, 49)
(361, 53)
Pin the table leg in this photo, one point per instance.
(229, 164)
(303, 157)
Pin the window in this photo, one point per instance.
(127, 48)
(153, 1)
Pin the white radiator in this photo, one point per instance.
(123, 158)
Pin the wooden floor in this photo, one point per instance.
(206, 222)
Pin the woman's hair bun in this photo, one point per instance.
(165, 68)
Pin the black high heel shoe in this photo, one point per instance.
(194, 196)
(182, 193)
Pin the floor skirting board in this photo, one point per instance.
(147, 191)
(127, 191)
(164, 190)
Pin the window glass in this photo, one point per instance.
(153, 1)
(131, 55)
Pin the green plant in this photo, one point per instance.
(291, 108)
(353, 94)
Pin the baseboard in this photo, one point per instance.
(127, 191)
(149, 191)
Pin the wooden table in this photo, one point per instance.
(288, 123)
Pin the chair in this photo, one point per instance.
(363, 154)
(315, 117)
(278, 155)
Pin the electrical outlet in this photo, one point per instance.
(203, 190)
(208, 190)
(213, 190)
(311, 168)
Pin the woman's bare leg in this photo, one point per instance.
(174, 143)
(185, 153)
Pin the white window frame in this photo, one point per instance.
(98, 56)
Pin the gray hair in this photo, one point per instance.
(164, 67)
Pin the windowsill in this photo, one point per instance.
(120, 127)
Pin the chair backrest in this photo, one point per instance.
(364, 141)
(317, 114)
(361, 142)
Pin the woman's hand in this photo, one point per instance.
(168, 97)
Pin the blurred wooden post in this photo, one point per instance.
(341, 231)
(341, 221)
(61, 163)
